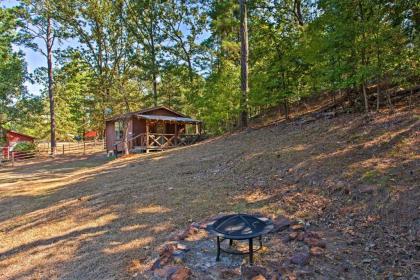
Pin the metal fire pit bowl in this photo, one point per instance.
(239, 227)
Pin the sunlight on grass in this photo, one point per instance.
(152, 209)
(132, 245)
(255, 196)
(133, 228)
(162, 227)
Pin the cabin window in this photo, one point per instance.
(119, 130)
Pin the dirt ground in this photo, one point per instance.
(353, 179)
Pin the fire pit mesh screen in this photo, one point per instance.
(239, 227)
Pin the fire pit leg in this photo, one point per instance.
(260, 239)
(251, 252)
(230, 242)
(218, 249)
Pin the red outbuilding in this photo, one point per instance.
(10, 138)
(91, 134)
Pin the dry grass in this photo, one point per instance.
(90, 218)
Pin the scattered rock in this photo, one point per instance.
(182, 247)
(316, 251)
(191, 230)
(293, 235)
(300, 258)
(313, 242)
(227, 273)
(300, 236)
(166, 272)
(195, 225)
(298, 227)
(296, 235)
(249, 272)
(176, 235)
(166, 255)
(167, 248)
(312, 234)
(280, 223)
(178, 256)
(182, 273)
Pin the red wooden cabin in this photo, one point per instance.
(156, 128)
(10, 138)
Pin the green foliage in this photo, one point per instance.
(12, 67)
(2, 141)
(186, 55)
(24, 147)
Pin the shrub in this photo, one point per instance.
(24, 147)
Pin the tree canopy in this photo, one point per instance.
(186, 54)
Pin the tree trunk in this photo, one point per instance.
(244, 63)
(155, 99)
(50, 85)
(378, 92)
(365, 98)
(125, 121)
(154, 65)
(388, 97)
(286, 109)
(125, 136)
(298, 11)
(410, 98)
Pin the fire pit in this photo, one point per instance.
(239, 227)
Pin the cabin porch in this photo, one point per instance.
(154, 133)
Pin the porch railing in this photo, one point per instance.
(159, 141)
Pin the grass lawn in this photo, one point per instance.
(87, 217)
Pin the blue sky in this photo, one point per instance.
(33, 59)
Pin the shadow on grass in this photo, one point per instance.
(96, 226)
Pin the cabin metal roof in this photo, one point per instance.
(5, 131)
(167, 118)
(144, 111)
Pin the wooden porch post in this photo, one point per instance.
(176, 134)
(196, 128)
(147, 136)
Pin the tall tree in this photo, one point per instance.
(244, 62)
(42, 30)
(12, 67)
(144, 20)
(106, 45)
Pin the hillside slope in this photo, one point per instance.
(354, 180)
